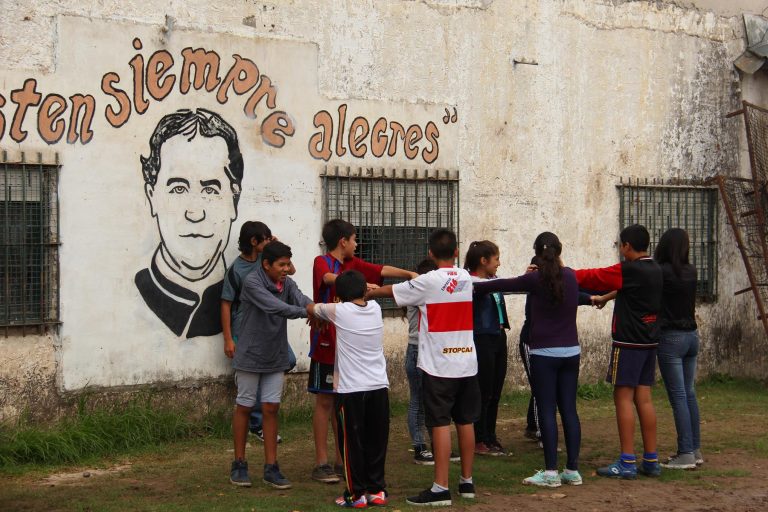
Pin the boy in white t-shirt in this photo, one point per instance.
(361, 390)
(447, 357)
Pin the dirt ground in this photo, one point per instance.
(192, 475)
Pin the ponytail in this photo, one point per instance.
(548, 249)
(477, 251)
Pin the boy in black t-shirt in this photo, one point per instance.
(637, 283)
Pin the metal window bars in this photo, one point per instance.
(746, 205)
(29, 244)
(393, 210)
(660, 205)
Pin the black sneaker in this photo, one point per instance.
(427, 497)
(454, 457)
(238, 475)
(532, 434)
(467, 490)
(423, 456)
(259, 433)
(274, 477)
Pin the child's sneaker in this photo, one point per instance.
(532, 434)
(347, 501)
(571, 478)
(259, 433)
(378, 499)
(467, 490)
(454, 457)
(324, 473)
(427, 498)
(496, 448)
(542, 479)
(338, 470)
(482, 449)
(618, 470)
(699, 457)
(681, 461)
(651, 468)
(423, 456)
(274, 477)
(238, 475)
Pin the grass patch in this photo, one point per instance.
(598, 391)
(99, 433)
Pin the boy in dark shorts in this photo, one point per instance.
(269, 298)
(637, 283)
(447, 358)
(340, 241)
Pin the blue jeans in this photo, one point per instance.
(256, 417)
(677, 362)
(416, 426)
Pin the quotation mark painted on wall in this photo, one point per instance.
(448, 118)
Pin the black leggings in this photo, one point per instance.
(555, 381)
(491, 352)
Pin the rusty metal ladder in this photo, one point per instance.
(746, 202)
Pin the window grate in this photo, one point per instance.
(691, 207)
(393, 211)
(29, 240)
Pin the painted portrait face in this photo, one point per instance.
(193, 202)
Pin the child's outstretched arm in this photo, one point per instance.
(388, 271)
(270, 304)
(607, 278)
(523, 283)
(599, 301)
(379, 293)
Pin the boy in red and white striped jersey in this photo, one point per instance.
(447, 357)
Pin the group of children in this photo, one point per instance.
(456, 359)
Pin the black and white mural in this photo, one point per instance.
(192, 180)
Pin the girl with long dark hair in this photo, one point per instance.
(554, 354)
(679, 345)
(490, 323)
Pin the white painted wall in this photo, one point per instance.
(621, 89)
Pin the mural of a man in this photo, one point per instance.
(192, 179)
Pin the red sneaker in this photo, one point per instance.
(379, 499)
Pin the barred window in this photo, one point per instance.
(29, 240)
(393, 211)
(693, 208)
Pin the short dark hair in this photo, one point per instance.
(273, 251)
(252, 229)
(334, 230)
(190, 124)
(350, 285)
(636, 236)
(442, 244)
(426, 265)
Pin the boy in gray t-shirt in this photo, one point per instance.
(268, 299)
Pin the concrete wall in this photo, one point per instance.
(620, 89)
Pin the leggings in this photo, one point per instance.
(491, 352)
(555, 380)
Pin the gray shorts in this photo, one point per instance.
(248, 384)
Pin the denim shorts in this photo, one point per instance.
(249, 383)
